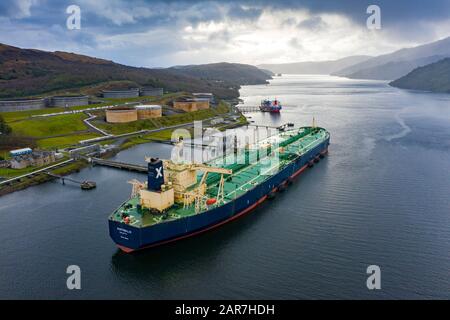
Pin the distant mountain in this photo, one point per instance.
(27, 72)
(393, 69)
(243, 74)
(314, 67)
(434, 77)
(268, 72)
(399, 63)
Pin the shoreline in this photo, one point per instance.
(75, 166)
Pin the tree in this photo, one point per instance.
(4, 128)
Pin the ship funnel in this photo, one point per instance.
(155, 177)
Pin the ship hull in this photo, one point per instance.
(129, 238)
(273, 110)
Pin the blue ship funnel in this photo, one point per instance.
(155, 176)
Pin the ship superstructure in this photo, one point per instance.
(270, 106)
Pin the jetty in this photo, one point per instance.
(280, 128)
(118, 165)
(246, 109)
(85, 185)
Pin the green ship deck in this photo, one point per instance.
(248, 172)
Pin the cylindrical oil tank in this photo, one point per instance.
(148, 111)
(121, 115)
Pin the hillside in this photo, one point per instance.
(434, 77)
(227, 72)
(314, 67)
(393, 69)
(27, 72)
(399, 63)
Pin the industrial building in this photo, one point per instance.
(5, 164)
(122, 93)
(204, 95)
(90, 149)
(69, 101)
(154, 92)
(130, 114)
(191, 104)
(217, 121)
(20, 152)
(23, 158)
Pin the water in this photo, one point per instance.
(381, 197)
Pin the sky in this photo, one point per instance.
(155, 33)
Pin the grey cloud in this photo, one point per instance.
(313, 24)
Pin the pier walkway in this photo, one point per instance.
(245, 109)
(118, 165)
(86, 185)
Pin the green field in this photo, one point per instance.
(11, 173)
(26, 114)
(50, 126)
(65, 141)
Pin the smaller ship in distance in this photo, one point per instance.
(270, 105)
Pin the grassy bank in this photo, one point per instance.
(50, 126)
(27, 114)
(65, 141)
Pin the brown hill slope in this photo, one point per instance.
(27, 72)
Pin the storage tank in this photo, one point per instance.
(69, 101)
(121, 93)
(148, 111)
(22, 104)
(121, 115)
(149, 91)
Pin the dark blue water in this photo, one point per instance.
(381, 197)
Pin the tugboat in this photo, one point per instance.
(270, 106)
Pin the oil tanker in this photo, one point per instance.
(273, 106)
(181, 199)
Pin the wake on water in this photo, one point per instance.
(405, 128)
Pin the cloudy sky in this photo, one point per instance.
(157, 33)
